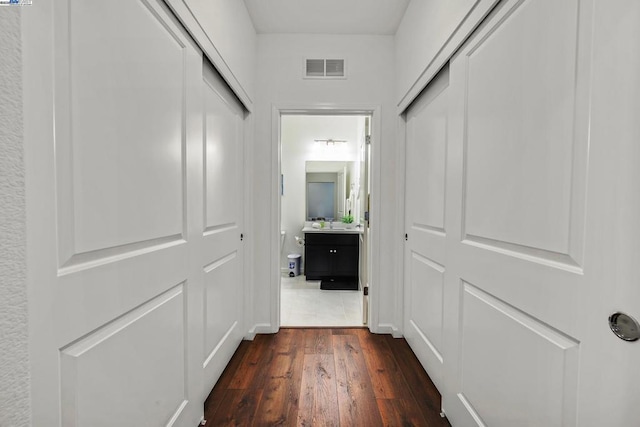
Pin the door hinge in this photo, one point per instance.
(241, 237)
(365, 290)
(406, 237)
(367, 139)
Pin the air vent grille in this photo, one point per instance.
(325, 69)
(334, 67)
(315, 67)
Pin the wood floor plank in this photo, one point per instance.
(318, 341)
(347, 331)
(386, 377)
(356, 400)
(217, 394)
(276, 407)
(324, 377)
(238, 408)
(280, 399)
(400, 413)
(252, 371)
(424, 391)
(288, 340)
(318, 394)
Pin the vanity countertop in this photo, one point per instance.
(335, 230)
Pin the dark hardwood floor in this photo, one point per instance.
(324, 377)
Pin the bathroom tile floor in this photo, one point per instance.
(303, 303)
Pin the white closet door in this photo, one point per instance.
(114, 151)
(222, 257)
(542, 206)
(425, 263)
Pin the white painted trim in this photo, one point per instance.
(248, 231)
(387, 328)
(476, 15)
(38, 121)
(401, 167)
(259, 328)
(374, 262)
(275, 221)
(186, 17)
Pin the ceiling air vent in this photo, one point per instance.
(325, 69)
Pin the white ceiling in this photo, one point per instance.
(326, 16)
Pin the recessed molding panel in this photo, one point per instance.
(539, 256)
(131, 371)
(119, 125)
(427, 290)
(222, 284)
(524, 171)
(510, 357)
(88, 260)
(426, 157)
(223, 149)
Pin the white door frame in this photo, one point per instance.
(277, 112)
(401, 183)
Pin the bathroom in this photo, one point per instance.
(322, 152)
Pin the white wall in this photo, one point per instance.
(279, 82)
(229, 28)
(426, 26)
(298, 146)
(428, 35)
(14, 356)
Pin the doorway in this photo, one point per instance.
(324, 183)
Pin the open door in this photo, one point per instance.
(363, 202)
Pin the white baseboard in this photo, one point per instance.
(386, 328)
(260, 328)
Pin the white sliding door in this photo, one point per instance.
(425, 263)
(131, 297)
(518, 153)
(222, 257)
(541, 229)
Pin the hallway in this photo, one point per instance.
(313, 377)
(141, 194)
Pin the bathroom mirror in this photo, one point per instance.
(321, 199)
(328, 188)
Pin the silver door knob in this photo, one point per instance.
(624, 326)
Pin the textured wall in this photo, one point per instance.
(14, 355)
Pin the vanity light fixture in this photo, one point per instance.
(331, 141)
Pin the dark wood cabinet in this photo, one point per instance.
(317, 261)
(332, 258)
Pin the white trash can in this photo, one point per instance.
(294, 264)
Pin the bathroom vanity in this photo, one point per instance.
(332, 257)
